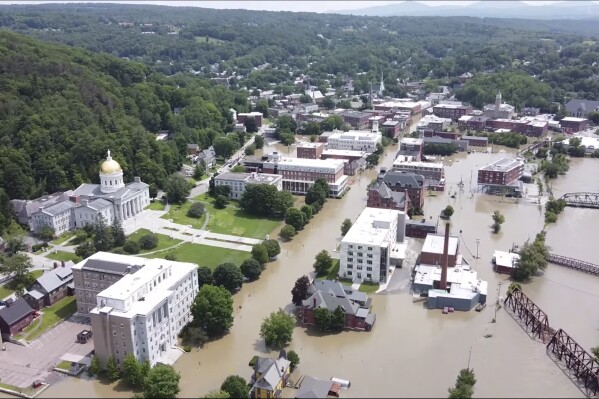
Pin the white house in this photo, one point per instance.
(239, 181)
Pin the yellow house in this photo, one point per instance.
(270, 377)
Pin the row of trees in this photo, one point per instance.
(533, 257)
(160, 381)
(553, 208)
(296, 219)
(266, 201)
(99, 237)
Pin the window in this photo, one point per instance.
(122, 325)
(122, 335)
(113, 333)
(370, 248)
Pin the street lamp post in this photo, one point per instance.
(477, 243)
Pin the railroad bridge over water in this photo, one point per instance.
(559, 344)
(581, 200)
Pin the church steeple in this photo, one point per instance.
(382, 86)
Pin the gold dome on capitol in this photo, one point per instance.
(110, 165)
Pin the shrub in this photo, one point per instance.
(131, 247)
(187, 348)
(148, 241)
(288, 232)
(196, 210)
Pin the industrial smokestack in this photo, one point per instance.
(445, 259)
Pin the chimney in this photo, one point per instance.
(375, 126)
(137, 179)
(55, 265)
(313, 302)
(445, 260)
(62, 263)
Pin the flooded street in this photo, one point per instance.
(411, 351)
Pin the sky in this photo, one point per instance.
(310, 6)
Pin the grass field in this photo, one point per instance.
(235, 222)
(157, 205)
(63, 237)
(179, 215)
(63, 256)
(211, 40)
(64, 365)
(163, 240)
(8, 289)
(52, 315)
(204, 255)
(369, 287)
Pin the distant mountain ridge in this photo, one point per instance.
(486, 9)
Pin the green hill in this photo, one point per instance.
(61, 108)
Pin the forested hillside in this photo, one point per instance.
(176, 39)
(61, 108)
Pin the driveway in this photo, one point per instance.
(21, 365)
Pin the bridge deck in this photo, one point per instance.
(582, 200)
(575, 264)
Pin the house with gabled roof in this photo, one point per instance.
(331, 295)
(14, 317)
(316, 388)
(51, 286)
(270, 377)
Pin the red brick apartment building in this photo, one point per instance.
(503, 172)
(453, 111)
(573, 125)
(310, 150)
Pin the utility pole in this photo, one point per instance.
(499, 284)
(477, 243)
(469, 356)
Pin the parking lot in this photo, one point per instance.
(21, 365)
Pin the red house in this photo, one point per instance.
(14, 317)
(332, 295)
(380, 196)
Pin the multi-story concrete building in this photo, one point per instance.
(310, 150)
(239, 181)
(499, 110)
(355, 140)
(143, 313)
(257, 116)
(432, 122)
(299, 174)
(413, 107)
(372, 245)
(98, 272)
(503, 172)
(474, 122)
(58, 217)
(430, 170)
(392, 128)
(357, 119)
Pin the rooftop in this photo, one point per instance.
(505, 259)
(348, 153)
(451, 106)
(433, 243)
(464, 283)
(372, 226)
(309, 145)
(107, 262)
(411, 141)
(572, 119)
(359, 135)
(426, 165)
(504, 165)
(323, 163)
(15, 311)
(142, 291)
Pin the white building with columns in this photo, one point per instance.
(127, 199)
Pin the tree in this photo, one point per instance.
(148, 241)
(300, 290)
(194, 335)
(235, 386)
(217, 394)
(132, 371)
(14, 245)
(224, 147)
(250, 150)
(118, 234)
(295, 218)
(19, 267)
(258, 141)
(265, 200)
(251, 125)
(277, 329)
(337, 320)
(323, 263)
(221, 202)
(288, 232)
(308, 212)
(332, 122)
(328, 103)
(162, 381)
(260, 253)
(293, 358)
(196, 210)
(102, 235)
(251, 269)
(153, 190)
(225, 191)
(595, 353)
(345, 226)
(204, 276)
(177, 189)
(372, 160)
(282, 201)
(273, 247)
(212, 309)
(199, 170)
(85, 250)
(131, 247)
(533, 257)
(112, 369)
(305, 99)
(94, 367)
(322, 319)
(464, 386)
(46, 233)
(228, 275)
(498, 220)
(447, 212)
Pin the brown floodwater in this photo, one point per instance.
(411, 351)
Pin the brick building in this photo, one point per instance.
(573, 125)
(409, 183)
(381, 196)
(503, 172)
(432, 250)
(452, 111)
(310, 150)
(257, 116)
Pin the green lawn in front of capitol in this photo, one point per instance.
(204, 255)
